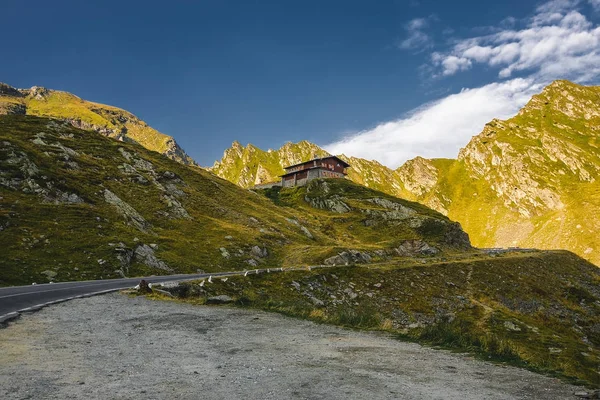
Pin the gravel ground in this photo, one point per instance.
(116, 347)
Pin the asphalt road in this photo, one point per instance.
(17, 299)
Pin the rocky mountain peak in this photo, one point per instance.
(38, 92)
(7, 90)
(106, 120)
(418, 175)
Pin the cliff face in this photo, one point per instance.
(531, 180)
(107, 120)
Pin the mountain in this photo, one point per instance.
(249, 166)
(75, 204)
(107, 120)
(529, 181)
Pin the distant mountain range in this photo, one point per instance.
(529, 181)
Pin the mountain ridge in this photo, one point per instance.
(105, 119)
(516, 183)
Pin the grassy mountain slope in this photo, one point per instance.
(75, 204)
(530, 181)
(538, 310)
(110, 121)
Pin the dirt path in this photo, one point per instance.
(115, 347)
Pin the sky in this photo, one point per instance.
(387, 80)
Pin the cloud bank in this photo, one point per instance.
(557, 42)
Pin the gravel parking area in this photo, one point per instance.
(116, 347)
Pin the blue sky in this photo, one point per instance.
(386, 80)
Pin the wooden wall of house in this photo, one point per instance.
(300, 178)
(330, 164)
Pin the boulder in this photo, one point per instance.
(144, 287)
(349, 257)
(221, 299)
(145, 255)
(260, 252)
(306, 232)
(412, 248)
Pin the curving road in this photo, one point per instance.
(17, 299)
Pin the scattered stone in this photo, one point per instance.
(145, 254)
(169, 175)
(126, 210)
(511, 326)
(224, 252)
(258, 252)
(176, 210)
(221, 299)
(349, 257)
(554, 350)
(49, 274)
(588, 395)
(306, 232)
(412, 248)
(252, 262)
(316, 302)
(333, 203)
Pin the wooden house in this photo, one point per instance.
(323, 167)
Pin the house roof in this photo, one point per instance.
(305, 169)
(344, 163)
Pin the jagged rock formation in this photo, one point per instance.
(249, 166)
(530, 181)
(107, 120)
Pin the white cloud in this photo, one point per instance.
(416, 37)
(438, 129)
(557, 42)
